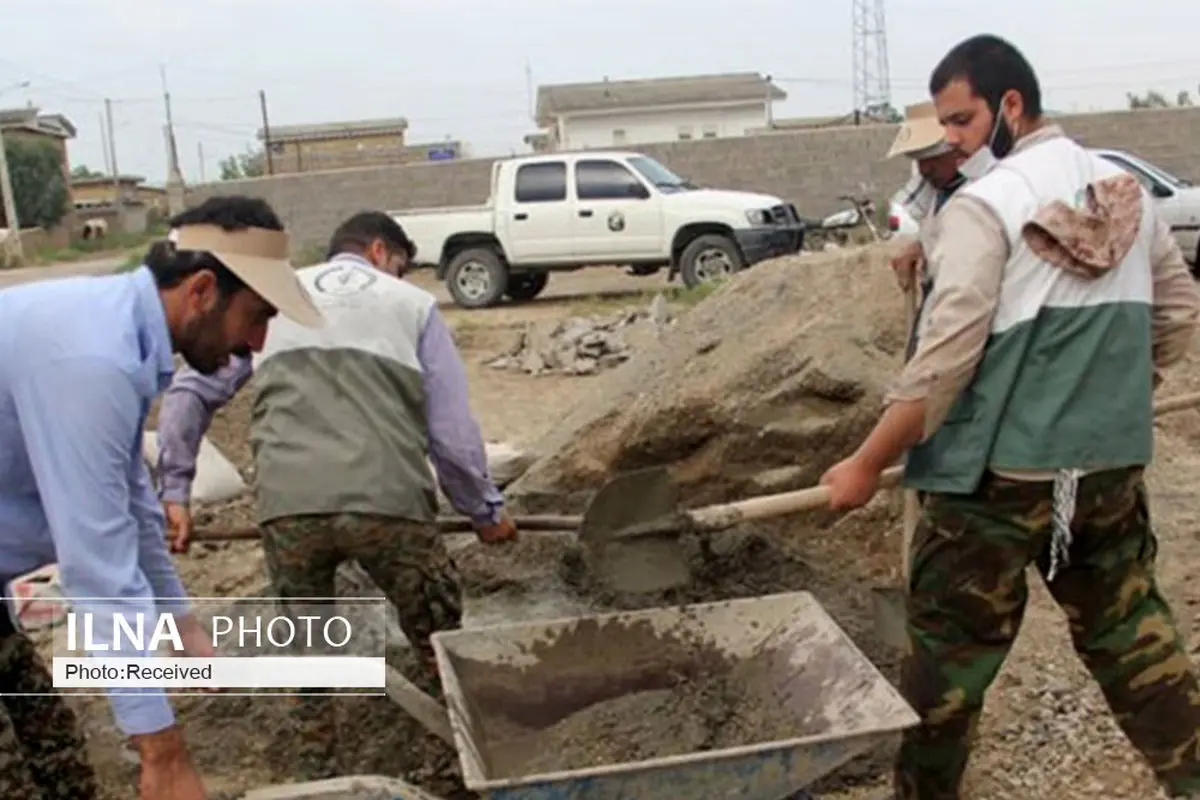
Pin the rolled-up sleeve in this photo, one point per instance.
(186, 412)
(81, 446)
(967, 264)
(455, 443)
(1176, 300)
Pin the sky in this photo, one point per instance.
(462, 68)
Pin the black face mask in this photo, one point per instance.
(1002, 136)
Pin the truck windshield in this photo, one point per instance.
(663, 179)
(1162, 174)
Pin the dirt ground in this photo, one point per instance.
(1046, 732)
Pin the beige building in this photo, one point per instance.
(342, 145)
(101, 191)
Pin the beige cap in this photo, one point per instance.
(921, 135)
(260, 258)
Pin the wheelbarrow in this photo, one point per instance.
(506, 685)
(352, 787)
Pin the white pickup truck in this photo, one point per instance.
(565, 211)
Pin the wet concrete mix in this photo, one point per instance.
(658, 695)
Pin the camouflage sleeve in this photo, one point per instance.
(968, 258)
(1176, 300)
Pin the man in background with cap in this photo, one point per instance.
(344, 419)
(81, 361)
(935, 178)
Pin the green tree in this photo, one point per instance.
(84, 171)
(39, 188)
(250, 164)
(1155, 99)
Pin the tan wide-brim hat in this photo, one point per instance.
(260, 258)
(920, 135)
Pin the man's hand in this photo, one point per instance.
(907, 265)
(196, 641)
(851, 483)
(503, 531)
(167, 771)
(179, 526)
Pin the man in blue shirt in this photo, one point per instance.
(81, 360)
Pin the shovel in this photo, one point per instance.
(630, 532)
(889, 603)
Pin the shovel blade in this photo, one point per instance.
(891, 616)
(637, 564)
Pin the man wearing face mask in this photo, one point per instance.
(82, 360)
(1060, 299)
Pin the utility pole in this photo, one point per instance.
(529, 94)
(266, 132)
(770, 98)
(200, 155)
(12, 242)
(172, 150)
(112, 153)
(104, 145)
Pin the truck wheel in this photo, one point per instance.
(526, 285)
(709, 257)
(477, 278)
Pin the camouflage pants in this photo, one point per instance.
(967, 598)
(42, 754)
(407, 560)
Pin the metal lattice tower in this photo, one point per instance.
(872, 82)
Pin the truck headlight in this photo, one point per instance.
(758, 216)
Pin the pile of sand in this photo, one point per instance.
(758, 388)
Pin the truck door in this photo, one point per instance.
(537, 219)
(616, 214)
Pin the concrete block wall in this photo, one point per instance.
(809, 168)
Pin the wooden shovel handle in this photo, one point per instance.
(912, 516)
(725, 516)
(546, 522)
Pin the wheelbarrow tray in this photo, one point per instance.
(546, 671)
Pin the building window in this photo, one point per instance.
(709, 132)
(544, 182)
(685, 133)
(597, 179)
(619, 136)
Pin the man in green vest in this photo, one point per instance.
(1027, 414)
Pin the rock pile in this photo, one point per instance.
(584, 345)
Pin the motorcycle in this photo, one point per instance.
(836, 227)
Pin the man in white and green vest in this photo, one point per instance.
(1027, 414)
